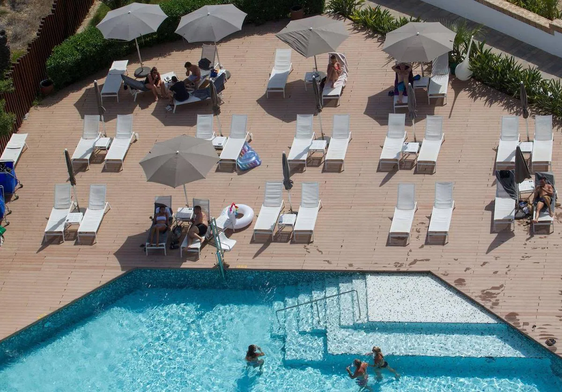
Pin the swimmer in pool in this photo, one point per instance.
(360, 374)
(380, 363)
(253, 356)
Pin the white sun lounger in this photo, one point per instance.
(302, 141)
(280, 72)
(97, 207)
(270, 209)
(160, 202)
(335, 92)
(236, 139)
(14, 148)
(442, 211)
(209, 52)
(113, 81)
(194, 246)
(432, 141)
(124, 136)
(509, 140)
(86, 145)
(394, 141)
(404, 212)
(341, 136)
(205, 127)
(542, 145)
(504, 208)
(439, 80)
(308, 211)
(56, 226)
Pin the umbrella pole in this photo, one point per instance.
(76, 197)
(315, 64)
(290, 204)
(414, 129)
(138, 51)
(527, 125)
(218, 58)
(185, 193)
(321, 128)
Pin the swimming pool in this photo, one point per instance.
(183, 330)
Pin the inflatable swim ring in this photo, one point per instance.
(243, 219)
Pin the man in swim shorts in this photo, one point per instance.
(402, 72)
(199, 224)
(360, 374)
(542, 197)
(193, 74)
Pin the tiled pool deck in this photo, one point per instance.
(517, 275)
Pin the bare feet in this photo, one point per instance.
(551, 213)
(535, 220)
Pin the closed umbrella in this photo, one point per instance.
(131, 22)
(211, 23)
(318, 99)
(419, 42)
(521, 170)
(412, 113)
(71, 176)
(314, 35)
(179, 161)
(287, 182)
(99, 104)
(524, 106)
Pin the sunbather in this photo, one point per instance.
(160, 224)
(380, 363)
(333, 72)
(542, 197)
(193, 73)
(178, 91)
(153, 81)
(402, 74)
(199, 227)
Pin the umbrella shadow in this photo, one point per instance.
(285, 109)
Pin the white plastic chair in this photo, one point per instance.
(341, 136)
(280, 72)
(124, 137)
(504, 208)
(270, 210)
(404, 212)
(509, 140)
(432, 141)
(236, 139)
(56, 226)
(90, 135)
(194, 246)
(97, 207)
(303, 139)
(439, 80)
(113, 81)
(544, 140)
(442, 211)
(308, 211)
(394, 141)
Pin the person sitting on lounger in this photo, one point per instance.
(380, 363)
(333, 72)
(402, 74)
(178, 91)
(153, 81)
(542, 197)
(199, 227)
(193, 74)
(159, 224)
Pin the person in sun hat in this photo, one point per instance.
(380, 363)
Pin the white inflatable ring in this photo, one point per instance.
(247, 216)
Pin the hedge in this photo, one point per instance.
(499, 71)
(87, 52)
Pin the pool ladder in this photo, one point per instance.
(220, 252)
(315, 302)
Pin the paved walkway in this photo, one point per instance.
(549, 65)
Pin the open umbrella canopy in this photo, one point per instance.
(132, 21)
(314, 35)
(211, 23)
(419, 42)
(179, 161)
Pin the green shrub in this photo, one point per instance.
(7, 120)
(462, 40)
(379, 21)
(545, 8)
(344, 8)
(87, 52)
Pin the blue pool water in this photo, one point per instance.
(191, 335)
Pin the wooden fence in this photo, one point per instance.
(65, 18)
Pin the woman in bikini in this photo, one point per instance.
(402, 73)
(153, 81)
(380, 363)
(160, 224)
(334, 71)
(253, 356)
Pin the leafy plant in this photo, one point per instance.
(545, 8)
(379, 21)
(6, 85)
(16, 54)
(7, 120)
(462, 40)
(344, 8)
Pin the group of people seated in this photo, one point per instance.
(175, 90)
(162, 219)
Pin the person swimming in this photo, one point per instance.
(380, 363)
(360, 375)
(253, 356)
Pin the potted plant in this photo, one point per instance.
(297, 12)
(461, 43)
(46, 87)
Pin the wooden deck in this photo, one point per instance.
(516, 275)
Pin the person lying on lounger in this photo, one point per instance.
(159, 224)
(542, 197)
(333, 72)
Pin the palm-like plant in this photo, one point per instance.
(462, 40)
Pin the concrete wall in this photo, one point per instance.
(510, 20)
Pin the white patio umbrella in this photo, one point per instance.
(132, 21)
(211, 23)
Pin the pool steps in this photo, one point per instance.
(340, 326)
